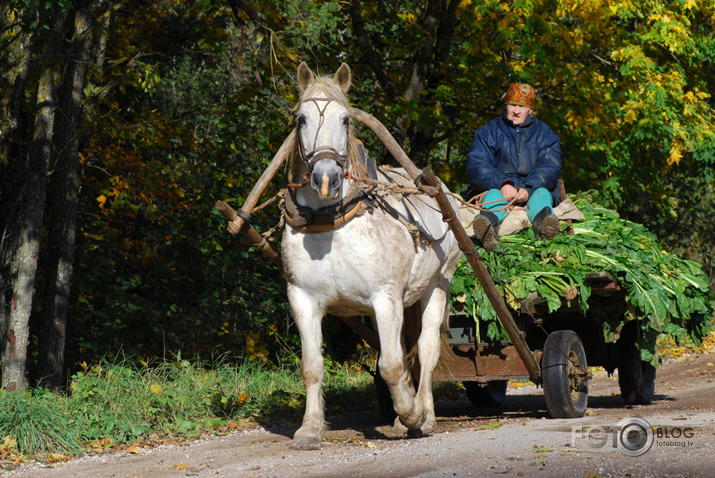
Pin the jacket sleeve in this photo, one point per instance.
(481, 160)
(548, 167)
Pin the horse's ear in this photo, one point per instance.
(305, 76)
(342, 77)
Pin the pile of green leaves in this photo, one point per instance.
(667, 294)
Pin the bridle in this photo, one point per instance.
(323, 152)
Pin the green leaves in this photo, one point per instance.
(668, 294)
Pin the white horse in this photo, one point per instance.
(345, 255)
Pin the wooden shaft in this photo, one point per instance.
(363, 331)
(263, 181)
(387, 139)
(475, 260)
(253, 235)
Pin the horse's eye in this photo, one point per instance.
(301, 120)
(346, 120)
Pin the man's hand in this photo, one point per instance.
(520, 195)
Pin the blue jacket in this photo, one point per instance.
(528, 155)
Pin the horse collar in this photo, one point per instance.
(308, 220)
(352, 205)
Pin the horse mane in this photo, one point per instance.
(326, 87)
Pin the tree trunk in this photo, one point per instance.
(14, 360)
(64, 200)
(438, 20)
(19, 285)
(14, 168)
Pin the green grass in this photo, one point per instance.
(38, 422)
(120, 403)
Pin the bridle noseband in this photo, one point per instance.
(323, 152)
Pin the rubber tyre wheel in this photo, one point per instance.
(489, 396)
(565, 391)
(384, 398)
(635, 377)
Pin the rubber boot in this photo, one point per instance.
(546, 224)
(486, 226)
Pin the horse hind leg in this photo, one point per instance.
(308, 320)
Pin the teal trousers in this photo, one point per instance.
(538, 200)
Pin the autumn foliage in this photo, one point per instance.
(186, 102)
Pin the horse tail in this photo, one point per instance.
(410, 335)
(411, 329)
(445, 364)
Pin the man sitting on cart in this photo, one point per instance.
(515, 159)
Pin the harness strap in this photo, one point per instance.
(307, 220)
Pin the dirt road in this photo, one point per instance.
(516, 440)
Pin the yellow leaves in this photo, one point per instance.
(630, 116)
(134, 450)
(101, 445)
(181, 466)
(654, 17)
(675, 155)
(58, 458)
(101, 200)
(408, 17)
(8, 447)
(155, 388)
(254, 348)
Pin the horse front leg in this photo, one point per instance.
(308, 319)
(389, 317)
(434, 305)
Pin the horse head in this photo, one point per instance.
(325, 144)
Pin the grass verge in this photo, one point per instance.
(120, 405)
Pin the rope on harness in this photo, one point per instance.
(477, 202)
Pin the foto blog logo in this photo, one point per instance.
(632, 436)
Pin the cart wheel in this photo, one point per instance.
(562, 365)
(486, 396)
(635, 377)
(384, 399)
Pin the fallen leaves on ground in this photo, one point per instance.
(669, 349)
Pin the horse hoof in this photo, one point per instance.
(412, 423)
(428, 426)
(306, 443)
(307, 438)
(398, 427)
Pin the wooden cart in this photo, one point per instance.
(564, 344)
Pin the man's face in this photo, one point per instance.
(517, 114)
